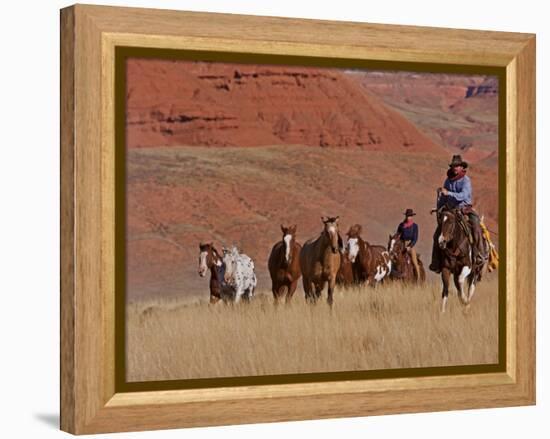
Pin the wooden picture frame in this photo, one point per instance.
(90, 400)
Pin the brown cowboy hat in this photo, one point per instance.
(457, 161)
(409, 212)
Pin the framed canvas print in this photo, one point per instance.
(270, 219)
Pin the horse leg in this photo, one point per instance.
(248, 293)
(238, 293)
(291, 290)
(422, 273)
(445, 278)
(318, 289)
(380, 274)
(276, 288)
(461, 279)
(283, 291)
(214, 299)
(331, 286)
(457, 286)
(275, 291)
(471, 286)
(309, 289)
(306, 285)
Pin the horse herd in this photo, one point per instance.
(323, 261)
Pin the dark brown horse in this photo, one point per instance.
(344, 276)
(284, 265)
(320, 261)
(210, 259)
(371, 263)
(402, 266)
(456, 258)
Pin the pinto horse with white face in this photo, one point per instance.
(320, 261)
(457, 258)
(284, 265)
(210, 259)
(371, 263)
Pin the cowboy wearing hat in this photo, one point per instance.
(457, 193)
(408, 233)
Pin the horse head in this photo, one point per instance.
(230, 260)
(352, 245)
(393, 243)
(208, 257)
(289, 237)
(396, 248)
(447, 223)
(331, 231)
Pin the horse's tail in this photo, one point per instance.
(422, 270)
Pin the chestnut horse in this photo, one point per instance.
(403, 268)
(344, 276)
(320, 261)
(284, 265)
(371, 263)
(210, 259)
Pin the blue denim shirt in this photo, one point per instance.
(460, 192)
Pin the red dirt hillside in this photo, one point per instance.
(213, 104)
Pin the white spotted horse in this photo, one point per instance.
(239, 272)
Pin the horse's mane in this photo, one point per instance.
(458, 232)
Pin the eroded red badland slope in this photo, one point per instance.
(213, 104)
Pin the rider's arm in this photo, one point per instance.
(465, 193)
(415, 236)
(442, 198)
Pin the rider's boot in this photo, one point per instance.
(435, 265)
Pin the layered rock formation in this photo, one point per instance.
(213, 104)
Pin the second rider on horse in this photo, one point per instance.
(407, 231)
(456, 193)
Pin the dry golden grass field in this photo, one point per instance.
(391, 326)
